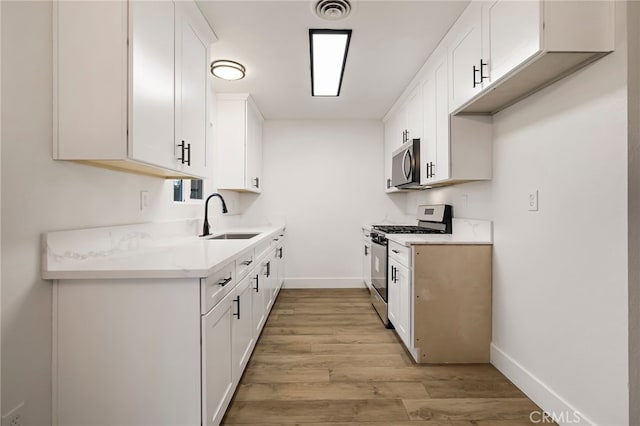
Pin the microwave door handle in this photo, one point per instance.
(407, 174)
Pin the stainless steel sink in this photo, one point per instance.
(234, 236)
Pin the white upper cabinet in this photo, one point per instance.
(414, 115)
(527, 45)
(465, 56)
(152, 56)
(191, 83)
(513, 34)
(239, 153)
(130, 83)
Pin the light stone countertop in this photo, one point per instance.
(152, 250)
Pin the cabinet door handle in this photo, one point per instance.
(268, 266)
(182, 149)
(247, 262)
(280, 256)
(388, 183)
(256, 182)
(188, 154)
(237, 300)
(257, 278)
(366, 250)
(225, 281)
(482, 65)
(475, 71)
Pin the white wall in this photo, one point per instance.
(39, 195)
(560, 274)
(324, 179)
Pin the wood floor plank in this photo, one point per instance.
(288, 330)
(324, 411)
(323, 300)
(367, 348)
(283, 348)
(288, 375)
(472, 388)
(415, 372)
(321, 339)
(329, 391)
(472, 409)
(325, 360)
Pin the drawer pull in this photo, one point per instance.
(395, 251)
(237, 300)
(224, 282)
(247, 262)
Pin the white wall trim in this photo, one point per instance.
(536, 389)
(324, 283)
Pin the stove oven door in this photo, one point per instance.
(379, 269)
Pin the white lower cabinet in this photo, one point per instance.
(258, 301)
(399, 299)
(218, 362)
(243, 337)
(179, 346)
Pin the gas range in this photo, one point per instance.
(432, 219)
(404, 229)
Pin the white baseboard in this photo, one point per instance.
(537, 390)
(323, 283)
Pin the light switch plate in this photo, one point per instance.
(533, 201)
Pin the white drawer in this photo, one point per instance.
(400, 253)
(216, 286)
(244, 263)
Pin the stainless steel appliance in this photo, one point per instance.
(432, 219)
(405, 165)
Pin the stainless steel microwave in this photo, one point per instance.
(405, 166)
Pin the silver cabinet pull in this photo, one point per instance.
(246, 262)
(237, 300)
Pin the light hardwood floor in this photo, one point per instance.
(325, 358)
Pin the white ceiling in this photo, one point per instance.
(390, 42)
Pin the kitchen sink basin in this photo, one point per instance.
(233, 236)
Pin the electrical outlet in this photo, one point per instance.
(14, 417)
(533, 201)
(144, 201)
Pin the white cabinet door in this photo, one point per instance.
(441, 169)
(242, 327)
(280, 266)
(414, 114)
(465, 54)
(393, 292)
(512, 34)
(435, 146)
(366, 262)
(239, 151)
(192, 55)
(258, 313)
(269, 279)
(151, 128)
(217, 361)
(253, 173)
(403, 314)
(393, 135)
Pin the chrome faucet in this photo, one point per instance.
(205, 227)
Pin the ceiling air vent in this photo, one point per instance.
(332, 10)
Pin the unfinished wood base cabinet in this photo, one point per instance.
(450, 304)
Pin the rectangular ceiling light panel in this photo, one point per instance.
(328, 57)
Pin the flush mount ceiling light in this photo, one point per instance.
(228, 70)
(329, 50)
